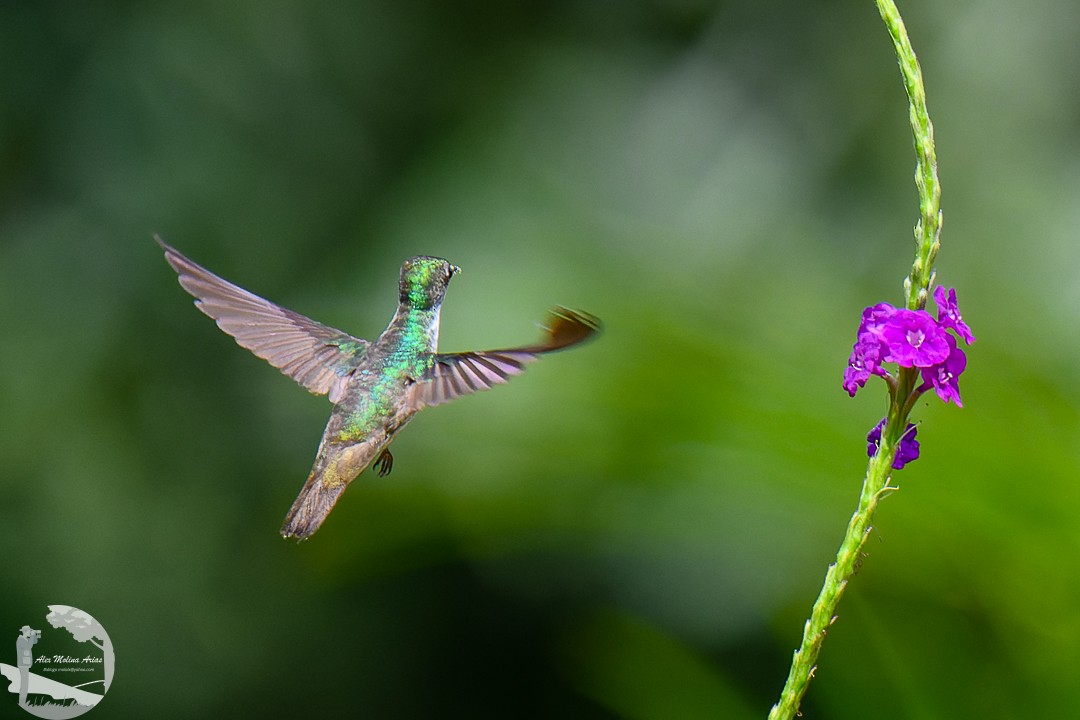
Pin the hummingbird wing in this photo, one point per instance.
(318, 357)
(455, 374)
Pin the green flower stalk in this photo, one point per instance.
(928, 228)
(921, 348)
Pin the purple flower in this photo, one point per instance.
(911, 339)
(864, 362)
(914, 339)
(949, 313)
(909, 446)
(867, 352)
(875, 318)
(945, 377)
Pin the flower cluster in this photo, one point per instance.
(911, 339)
(909, 446)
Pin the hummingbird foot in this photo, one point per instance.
(384, 463)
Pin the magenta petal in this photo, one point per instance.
(949, 313)
(914, 339)
(945, 377)
(909, 446)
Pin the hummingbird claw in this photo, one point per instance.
(384, 463)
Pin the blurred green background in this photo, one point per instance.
(633, 529)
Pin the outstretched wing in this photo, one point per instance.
(318, 357)
(456, 374)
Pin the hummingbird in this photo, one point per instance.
(376, 387)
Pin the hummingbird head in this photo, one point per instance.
(424, 280)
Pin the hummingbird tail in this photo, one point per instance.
(311, 507)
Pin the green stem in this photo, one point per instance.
(804, 662)
(879, 469)
(928, 228)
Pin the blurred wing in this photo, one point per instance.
(457, 374)
(318, 357)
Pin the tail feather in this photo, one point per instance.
(311, 507)
(335, 467)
